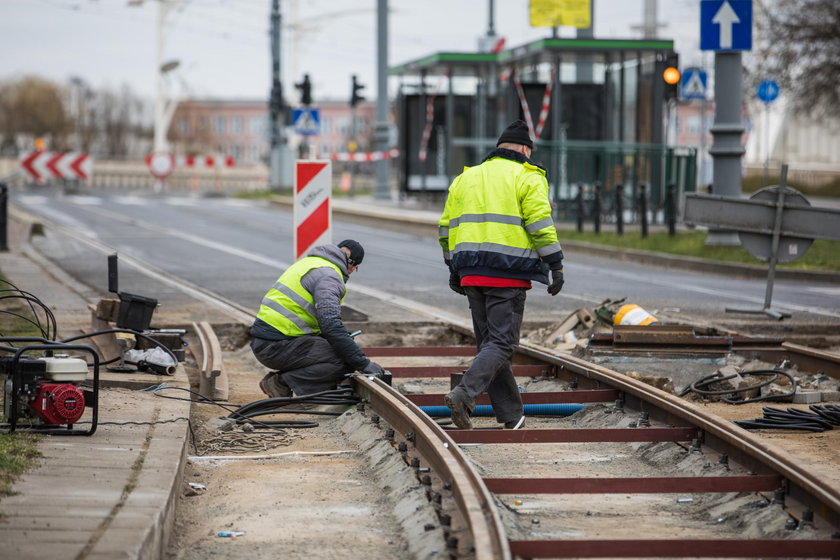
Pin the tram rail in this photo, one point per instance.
(472, 522)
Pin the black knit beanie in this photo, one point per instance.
(516, 133)
(357, 252)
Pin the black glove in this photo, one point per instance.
(556, 282)
(455, 283)
(372, 368)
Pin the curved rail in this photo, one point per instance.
(475, 503)
(213, 380)
(827, 499)
(476, 506)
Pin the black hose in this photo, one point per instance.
(278, 405)
(755, 425)
(791, 419)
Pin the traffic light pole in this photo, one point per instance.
(278, 158)
(382, 189)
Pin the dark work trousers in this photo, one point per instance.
(497, 318)
(308, 364)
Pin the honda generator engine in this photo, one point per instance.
(44, 390)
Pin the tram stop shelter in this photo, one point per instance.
(609, 129)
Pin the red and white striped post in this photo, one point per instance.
(312, 210)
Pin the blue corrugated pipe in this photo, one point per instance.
(530, 410)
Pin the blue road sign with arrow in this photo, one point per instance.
(726, 25)
(693, 83)
(768, 91)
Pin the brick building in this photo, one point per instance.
(239, 129)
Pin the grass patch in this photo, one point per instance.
(756, 182)
(17, 317)
(822, 255)
(260, 194)
(17, 453)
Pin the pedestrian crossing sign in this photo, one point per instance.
(693, 84)
(307, 121)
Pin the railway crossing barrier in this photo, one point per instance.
(776, 224)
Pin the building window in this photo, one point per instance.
(256, 126)
(202, 123)
(219, 124)
(253, 153)
(237, 152)
(343, 124)
(184, 125)
(326, 125)
(236, 124)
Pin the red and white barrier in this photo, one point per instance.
(534, 132)
(365, 156)
(423, 154)
(312, 214)
(43, 166)
(208, 162)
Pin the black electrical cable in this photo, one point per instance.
(792, 419)
(756, 425)
(270, 425)
(277, 405)
(773, 375)
(32, 299)
(829, 412)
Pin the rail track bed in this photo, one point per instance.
(606, 466)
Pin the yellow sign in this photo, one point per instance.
(551, 13)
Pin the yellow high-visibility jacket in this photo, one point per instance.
(497, 220)
(287, 306)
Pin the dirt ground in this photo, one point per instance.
(331, 480)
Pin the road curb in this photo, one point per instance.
(398, 218)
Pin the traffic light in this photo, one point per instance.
(354, 96)
(305, 88)
(671, 76)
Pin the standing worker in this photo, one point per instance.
(498, 235)
(298, 331)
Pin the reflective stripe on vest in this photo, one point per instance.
(287, 306)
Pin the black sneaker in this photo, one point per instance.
(273, 386)
(460, 411)
(515, 424)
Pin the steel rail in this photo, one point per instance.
(475, 503)
(439, 448)
(213, 380)
(726, 432)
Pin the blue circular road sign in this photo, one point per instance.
(768, 90)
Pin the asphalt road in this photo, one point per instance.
(237, 248)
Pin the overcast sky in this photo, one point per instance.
(224, 48)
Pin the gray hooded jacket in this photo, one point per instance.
(327, 289)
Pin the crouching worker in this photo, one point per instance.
(298, 332)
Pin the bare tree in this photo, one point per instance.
(801, 50)
(33, 106)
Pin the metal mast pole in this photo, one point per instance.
(276, 134)
(160, 101)
(382, 188)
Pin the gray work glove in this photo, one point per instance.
(556, 282)
(455, 283)
(372, 368)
